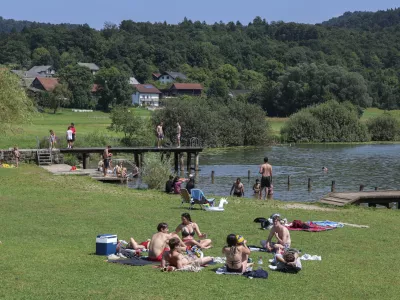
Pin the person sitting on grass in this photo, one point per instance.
(237, 254)
(189, 230)
(159, 242)
(169, 185)
(175, 258)
(177, 183)
(280, 232)
(190, 184)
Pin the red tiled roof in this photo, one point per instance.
(187, 86)
(48, 83)
(147, 89)
(157, 75)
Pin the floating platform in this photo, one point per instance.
(373, 197)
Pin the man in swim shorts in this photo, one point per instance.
(160, 134)
(280, 232)
(106, 160)
(266, 177)
(159, 242)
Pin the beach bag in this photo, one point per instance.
(260, 273)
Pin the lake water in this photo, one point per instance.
(348, 165)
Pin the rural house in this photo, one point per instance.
(146, 95)
(91, 66)
(26, 77)
(170, 77)
(43, 84)
(47, 71)
(192, 89)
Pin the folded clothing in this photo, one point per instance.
(310, 257)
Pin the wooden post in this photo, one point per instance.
(85, 160)
(212, 176)
(361, 188)
(376, 188)
(176, 162)
(288, 180)
(141, 155)
(196, 165)
(181, 158)
(189, 161)
(248, 175)
(309, 184)
(137, 162)
(333, 187)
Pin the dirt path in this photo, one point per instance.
(308, 207)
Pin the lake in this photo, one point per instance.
(348, 165)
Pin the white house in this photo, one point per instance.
(170, 77)
(146, 95)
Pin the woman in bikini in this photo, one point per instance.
(237, 254)
(189, 230)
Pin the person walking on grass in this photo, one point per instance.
(69, 137)
(178, 134)
(266, 177)
(160, 134)
(106, 160)
(16, 155)
(52, 139)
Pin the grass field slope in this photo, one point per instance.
(49, 225)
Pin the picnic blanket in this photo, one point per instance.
(308, 226)
(223, 271)
(134, 261)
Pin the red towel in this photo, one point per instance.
(309, 226)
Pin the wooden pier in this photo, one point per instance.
(138, 153)
(372, 198)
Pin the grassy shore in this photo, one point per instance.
(85, 123)
(49, 224)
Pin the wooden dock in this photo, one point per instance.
(372, 198)
(138, 153)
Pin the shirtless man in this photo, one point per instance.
(281, 233)
(266, 177)
(106, 160)
(159, 242)
(160, 134)
(237, 188)
(176, 259)
(178, 134)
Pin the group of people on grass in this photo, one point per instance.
(174, 184)
(171, 250)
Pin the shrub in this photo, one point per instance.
(154, 171)
(384, 128)
(216, 122)
(71, 159)
(327, 122)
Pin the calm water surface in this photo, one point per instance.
(349, 165)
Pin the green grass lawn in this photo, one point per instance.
(49, 225)
(85, 123)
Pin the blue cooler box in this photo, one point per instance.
(106, 244)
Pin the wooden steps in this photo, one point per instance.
(44, 157)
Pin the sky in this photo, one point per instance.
(97, 12)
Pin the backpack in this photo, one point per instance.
(260, 273)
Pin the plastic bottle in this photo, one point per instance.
(260, 263)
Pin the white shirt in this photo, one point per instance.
(69, 134)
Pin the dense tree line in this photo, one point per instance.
(287, 65)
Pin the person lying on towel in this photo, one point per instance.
(287, 261)
(237, 254)
(175, 258)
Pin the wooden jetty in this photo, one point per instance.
(372, 198)
(138, 153)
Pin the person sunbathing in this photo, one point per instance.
(175, 258)
(287, 261)
(237, 254)
(122, 244)
(159, 242)
(189, 230)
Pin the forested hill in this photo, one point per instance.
(10, 25)
(366, 20)
(287, 65)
